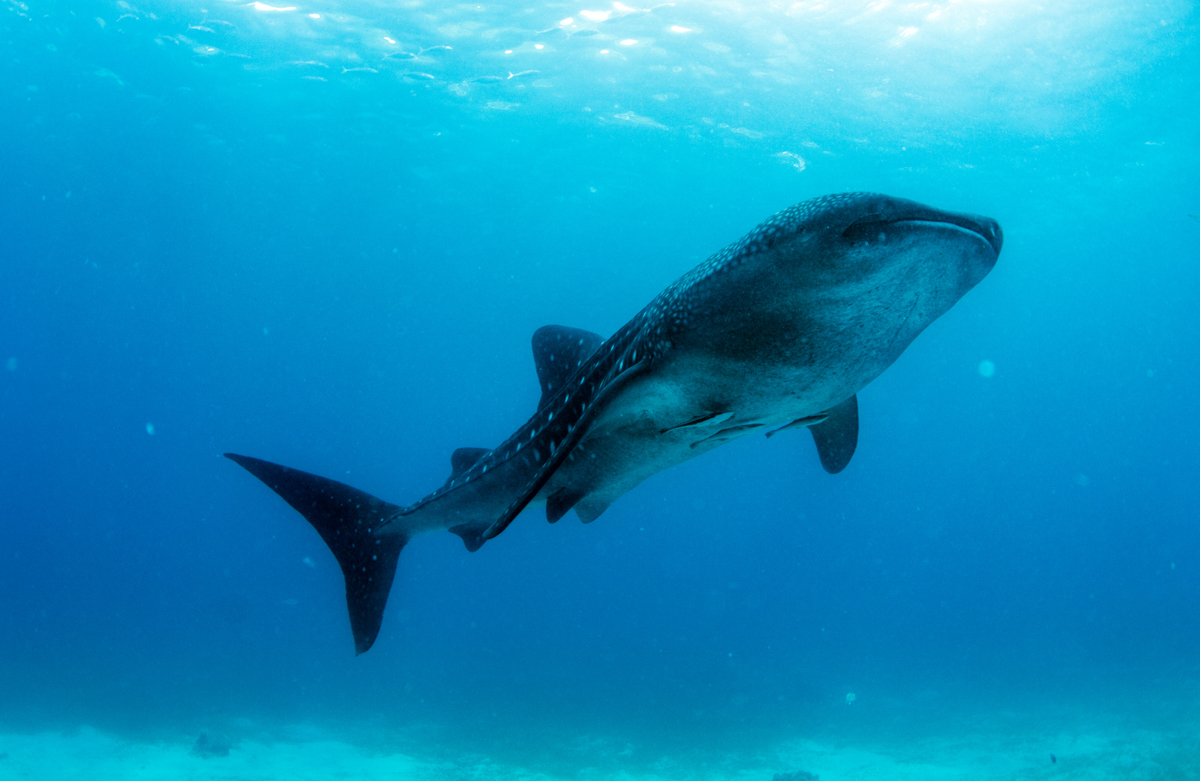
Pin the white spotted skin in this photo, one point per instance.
(784, 324)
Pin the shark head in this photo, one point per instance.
(845, 281)
(893, 245)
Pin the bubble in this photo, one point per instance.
(150, 429)
(850, 698)
(987, 369)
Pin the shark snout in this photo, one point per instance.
(989, 229)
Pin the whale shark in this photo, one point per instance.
(778, 331)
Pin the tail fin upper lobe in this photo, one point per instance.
(357, 528)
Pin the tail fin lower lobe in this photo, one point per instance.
(356, 527)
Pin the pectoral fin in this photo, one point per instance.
(837, 437)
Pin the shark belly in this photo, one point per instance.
(684, 408)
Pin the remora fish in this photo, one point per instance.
(780, 329)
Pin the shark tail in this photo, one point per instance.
(365, 535)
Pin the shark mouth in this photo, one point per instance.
(868, 226)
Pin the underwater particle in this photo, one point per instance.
(640, 121)
(1053, 759)
(987, 369)
(308, 562)
(11, 364)
(105, 73)
(850, 698)
(790, 158)
(150, 429)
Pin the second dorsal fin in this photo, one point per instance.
(464, 458)
(557, 352)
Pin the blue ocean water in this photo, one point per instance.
(323, 235)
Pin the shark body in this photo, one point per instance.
(779, 330)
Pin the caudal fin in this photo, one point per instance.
(356, 526)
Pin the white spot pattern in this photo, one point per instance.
(648, 334)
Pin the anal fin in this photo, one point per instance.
(471, 533)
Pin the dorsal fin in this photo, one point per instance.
(837, 437)
(557, 352)
(464, 458)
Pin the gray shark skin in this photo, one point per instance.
(779, 330)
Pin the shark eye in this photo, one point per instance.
(869, 227)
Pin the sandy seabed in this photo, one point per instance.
(1104, 749)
